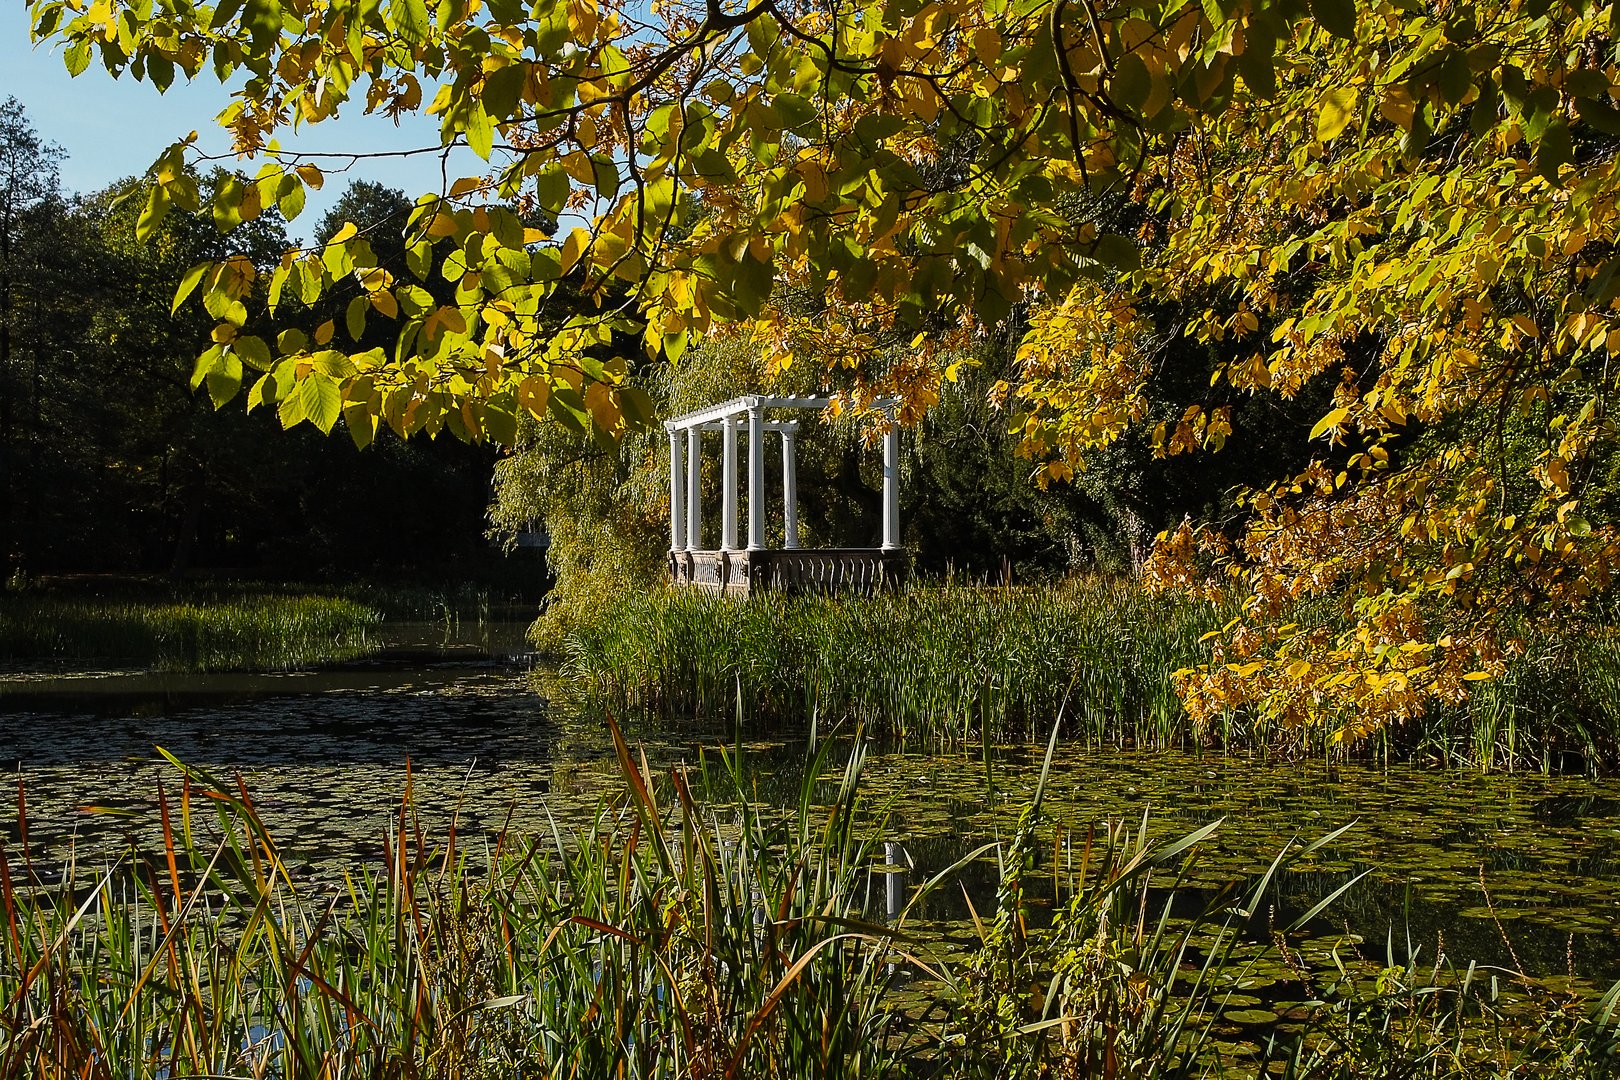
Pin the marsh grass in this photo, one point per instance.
(664, 939)
(926, 664)
(264, 631)
(944, 665)
(676, 938)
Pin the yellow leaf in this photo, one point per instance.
(1558, 473)
(1337, 109)
(1330, 421)
(1476, 676)
(533, 393)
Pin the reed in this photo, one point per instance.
(664, 939)
(684, 935)
(929, 663)
(265, 631)
(940, 665)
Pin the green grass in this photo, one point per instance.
(927, 663)
(682, 936)
(943, 664)
(264, 631)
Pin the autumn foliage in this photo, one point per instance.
(1407, 211)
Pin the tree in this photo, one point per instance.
(1416, 227)
(30, 242)
(1407, 211)
(919, 163)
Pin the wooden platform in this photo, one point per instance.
(822, 570)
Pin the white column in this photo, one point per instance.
(891, 486)
(728, 481)
(677, 493)
(694, 493)
(756, 478)
(790, 491)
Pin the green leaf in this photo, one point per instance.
(291, 202)
(77, 57)
(206, 363)
(410, 19)
(151, 217)
(228, 204)
(1131, 83)
(224, 12)
(551, 187)
(480, 132)
(1456, 77)
(262, 18)
(500, 422)
(419, 259)
(354, 317)
(188, 284)
(361, 422)
(225, 380)
(607, 176)
(636, 405)
(1554, 150)
(1336, 111)
(290, 409)
(319, 400)
(253, 351)
(503, 89)
(1119, 252)
(1337, 17)
(1600, 114)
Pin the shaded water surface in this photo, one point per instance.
(1500, 869)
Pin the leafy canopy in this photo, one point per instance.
(1412, 202)
(925, 164)
(1421, 219)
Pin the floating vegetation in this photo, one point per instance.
(686, 930)
(267, 631)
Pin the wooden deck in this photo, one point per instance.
(820, 570)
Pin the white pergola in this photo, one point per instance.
(685, 461)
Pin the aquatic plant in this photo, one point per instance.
(263, 631)
(664, 939)
(927, 663)
(944, 664)
(687, 931)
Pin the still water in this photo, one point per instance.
(1500, 869)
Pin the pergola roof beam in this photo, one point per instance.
(741, 405)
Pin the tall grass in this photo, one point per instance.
(673, 939)
(664, 939)
(941, 664)
(678, 937)
(254, 632)
(930, 662)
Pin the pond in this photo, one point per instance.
(1505, 870)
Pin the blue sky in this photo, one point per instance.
(115, 128)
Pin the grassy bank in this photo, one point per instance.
(688, 935)
(947, 663)
(927, 662)
(194, 631)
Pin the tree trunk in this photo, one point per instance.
(186, 538)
